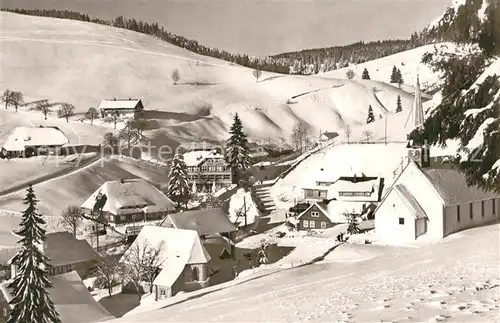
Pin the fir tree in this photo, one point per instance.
(237, 150)
(399, 107)
(365, 75)
(353, 225)
(394, 75)
(399, 77)
(31, 301)
(178, 187)
(370, 117)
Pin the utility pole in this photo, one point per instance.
(385, 129)
(245, 209)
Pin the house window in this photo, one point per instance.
(458, 213)
(162, 292)
(123, 218)
(312, 224)
(471, 209)
(305, 224)
(323, 225)
(195, 274)
(401, 221)
(315, 214)
(482, 209)
(493, 202)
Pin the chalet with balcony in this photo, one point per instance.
(207, 170)
(131, 201)
(123, 108)
(314, 217)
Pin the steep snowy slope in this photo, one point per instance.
(82, 63)
(428, 284)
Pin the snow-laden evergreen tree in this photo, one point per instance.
(394, 75)
(352, 220)
(365, 75)
(178, 187)
(399, 107)
(237, 154)
(370, 117)
(31, 301)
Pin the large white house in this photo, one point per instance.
(207, 170)
(426, 203)
(124, 108)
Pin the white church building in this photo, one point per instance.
(426, 203)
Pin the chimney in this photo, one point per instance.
(122, 181)
(129, 99)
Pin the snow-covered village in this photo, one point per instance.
(215, 161)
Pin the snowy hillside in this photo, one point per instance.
(427, 284)
(409, 62)
(82, 63)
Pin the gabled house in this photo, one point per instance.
(131, 201)
(183, 260)
(326, 137)
(66, 254)
(314, 217)
(426, 203)
(123, 108)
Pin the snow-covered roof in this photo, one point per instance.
(196, 157)
(34, 136)
(410, 201)
(130, 195)
(72, 300)
(329, 135)
(452, 186)
(178, 249)
(359, 186)
(320, 207)
(117, 104)
(205, 222)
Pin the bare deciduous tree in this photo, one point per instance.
(129, 132)
(141, 263)
(16, 98)
(257, 74)
(92, 114)
(44, 106)
(109, 273)
(71, 218)
(300, 135)
(113, 118)
(6, 98)
(368, 134)
(110, 139)
(350, 74)
(348, 132)
(66, 111)
(176, 76)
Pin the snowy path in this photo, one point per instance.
(427, 284)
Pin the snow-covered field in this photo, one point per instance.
(409, 62)
(23, 170)
(432, 283)
(268, 108)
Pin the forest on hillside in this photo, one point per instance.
(311, 61)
